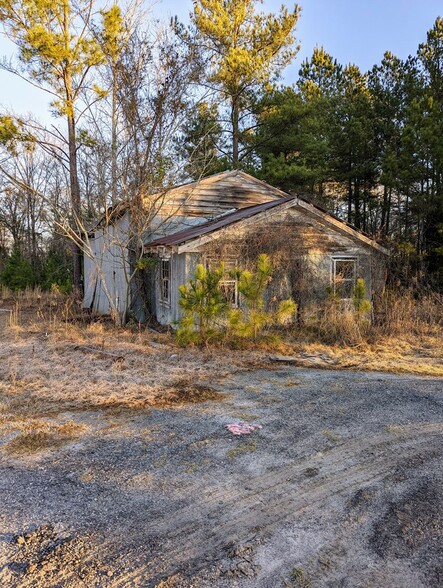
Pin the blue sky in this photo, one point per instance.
(357, 31)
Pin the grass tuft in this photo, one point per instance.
(247, 447)
(37, 437)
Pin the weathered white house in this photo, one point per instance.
(230, 217)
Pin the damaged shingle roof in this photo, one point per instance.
(214, 195)
(218, 223)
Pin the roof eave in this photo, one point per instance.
(194, 243)
(341, 226)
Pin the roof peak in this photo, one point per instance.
(226, 173)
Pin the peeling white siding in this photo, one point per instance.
(107, 272)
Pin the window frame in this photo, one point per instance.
(230, 263)
(164, 280)
(228, 283)
(334, 274)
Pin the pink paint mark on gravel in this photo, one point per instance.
(242, 428)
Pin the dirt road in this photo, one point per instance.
(340, 487)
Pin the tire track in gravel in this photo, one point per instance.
(330, 462)
(275, 500)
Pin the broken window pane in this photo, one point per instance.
(345, 268)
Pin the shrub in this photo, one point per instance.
(203, 302)
(18, 273)
(250, 320)
(361, 304)
(206, 310)
(342, 321)
(57, 271)
(404, 313)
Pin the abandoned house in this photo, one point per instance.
(230, 217)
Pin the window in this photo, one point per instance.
(230, 292)
(227, 285)
(344, 275)
(165, 281)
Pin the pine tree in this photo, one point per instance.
(285, 141)
(387, 83)
(18, 273)
(247, 50)
(200, 142)
(430, 55)
(202, 302)
(57, 51)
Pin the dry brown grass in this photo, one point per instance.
(406, 335)
(44, 377)
(39, 436)
(405, 314)
(185, 391)
(393, 317)
(400, 355)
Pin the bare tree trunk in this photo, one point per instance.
(235, 132)
(114, 190)
(357, 212)
(388, 212)
(75, 201)
(72, 148)
(350, 194)
(384, 211)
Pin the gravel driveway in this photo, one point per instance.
(340, 487)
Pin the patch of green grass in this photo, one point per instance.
(248, 447)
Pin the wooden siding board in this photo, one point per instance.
(181, 270)
(111, 257)
(291, 236)
(312, 216)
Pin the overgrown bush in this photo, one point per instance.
(57, 271)
(18, 273)
(249, 320)
(361, 304)
(394, 314)
(405, 313)
(202, 302)
(339, 325)
(344, 322)
(207, 313)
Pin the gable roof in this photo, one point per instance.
(209, 227)
(209, 197)
(203, 233)
(214, 195)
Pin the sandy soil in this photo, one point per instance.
(108, 477)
